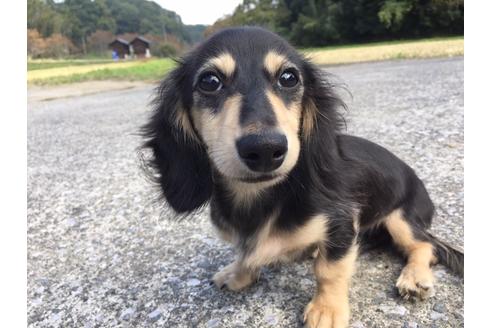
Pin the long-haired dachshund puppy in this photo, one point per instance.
(247, 124)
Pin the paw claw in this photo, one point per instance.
(234, 277)
(415, 282)
(319, 314)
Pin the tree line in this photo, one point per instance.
(70, 27)
(87, 26)
(324, 22)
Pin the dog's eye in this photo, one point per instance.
(288, 79)
(209, 82)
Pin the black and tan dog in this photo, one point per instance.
(246, 123)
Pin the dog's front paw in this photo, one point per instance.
(416, 282)
(322, 314)
(234, 277)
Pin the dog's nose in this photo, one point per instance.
(262, 152)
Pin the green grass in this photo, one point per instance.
(47, 64)
(148, 71)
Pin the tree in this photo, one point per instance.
(98, 41)
(393, 13)
(42, 16)
(35, 43)
(321, 22)
(83, 17)
(55, 45)
(79, 19)
(58, 46)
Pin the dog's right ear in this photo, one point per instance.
(179, 160)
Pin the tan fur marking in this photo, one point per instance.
(309, 119)
(273, 62)
(246, 193)
(219, 132)
(330, 306)
(416, 278)
(229, 116)
(288, 122)
(235, 276)
(273, 246)
(252, 129)
(224, 62)
(184, 123)
(288, 118)
(402, 235)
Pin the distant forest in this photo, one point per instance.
(85, 27)
(57, 29)
(309, 23)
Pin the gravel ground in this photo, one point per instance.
(101, 252)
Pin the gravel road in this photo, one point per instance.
(101, 252)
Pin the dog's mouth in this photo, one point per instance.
(262, 178)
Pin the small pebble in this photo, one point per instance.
(155, 315)
(398, 311)
(439, 307)
(213, 323)
(271, 320)
(193, 282)
(436, 315)
(127, 314)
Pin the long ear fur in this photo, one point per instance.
(179, 160)
(321, 125)
(320, 105)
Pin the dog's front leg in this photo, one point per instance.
(330, 306)
(236, 276)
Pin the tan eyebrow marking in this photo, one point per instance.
(223, 62)
(274, 61)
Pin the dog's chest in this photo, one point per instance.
(270, 244)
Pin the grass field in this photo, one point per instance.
(427, 48)
(54, 63)
(51, 72)
(133, 70)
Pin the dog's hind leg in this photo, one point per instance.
(416, 278)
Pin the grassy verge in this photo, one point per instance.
(130, 71)
(58, 72)
(426, 48)
(38, 64)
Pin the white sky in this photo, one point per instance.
(201, 11)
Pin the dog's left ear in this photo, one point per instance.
(321, 121)
(179, 163)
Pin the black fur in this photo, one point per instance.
(338, 175)
(184, 172)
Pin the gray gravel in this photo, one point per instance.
(101, 252)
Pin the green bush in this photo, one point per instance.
(165, 50)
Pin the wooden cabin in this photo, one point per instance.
(141, 47)
(121, 48)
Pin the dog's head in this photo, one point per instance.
(243, 104)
